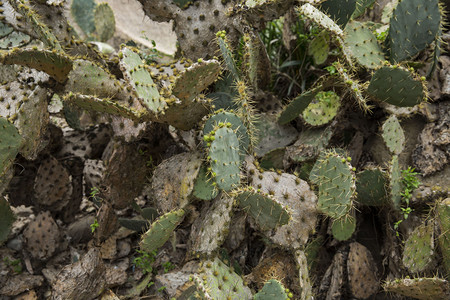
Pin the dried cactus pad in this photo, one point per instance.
(362, 272)
(42, 236)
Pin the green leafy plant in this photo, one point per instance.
(15, 265)
(94, 226)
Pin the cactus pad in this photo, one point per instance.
(219, 282)
(42, 236)
(371, 187)
(161, 230)
(420, 288)
(297, 106)
(319, 47)
(10, 141)
(83, 13)
(339, 10)
(418, 253)
(204, 188)
(319, 18)
(362, 272)
(396, 86)
(343, 228)
(6, 219)
(363, 45)
(413, 26)
(224, 157)
(57, 65)
(443, 212)
(395, 182)
(272, 289)
(105, 24)
(334, 175)
(212, 230)
(393, 135)
(323, 108)
(264, 208)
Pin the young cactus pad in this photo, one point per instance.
(224, 157)
(219, 282)
(396, 86)
(371, 187)
(413, 26)
(393, 135)
(264, 208)
(323, 109)
(334, 176)
(161, 230)
(418, 252)
(272, 290)
(343, 228)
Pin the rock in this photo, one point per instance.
(20, 283)
(84, 279)
(80, 230)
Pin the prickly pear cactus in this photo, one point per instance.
(371, 187)
(339, 10)
(334, 176)
(52, 185)
(161, 230)
(362, 44)
(219, 282)
(319, 47)
(223, 154)
(323, 109)
(362, 272)
(267, 212)
(297, 106)
(104, 22)
(173, 180)
(212, 230)
(10, 141)
(419, 252)
(443, 212)
(395, 182)
(6, 219)
(294, 193)
(413, 26)
(320, 18)
(396, 86)
(42, 236)
(393, 135)
(204, 187)
(343, 228)
(272, 289)
(303, 275)
(420, 288)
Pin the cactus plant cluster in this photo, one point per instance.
(213, 154)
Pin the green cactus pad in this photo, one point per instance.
(393, 135)
(334, 176)
(396, 86)
(10, 141)
(219, 282)
(195, 79)
(271, 135)
(413, 26)
(209, 234)
(137, 225)
(371, 187)
(173, 180)
(161, 230)
(363, 45)
(14, 39)
(361, 6)
(418, 253)
(264, 208)
(309, 144)
(204, 188)
(57, 65)
(89, 78)
(323, 108)
(339, 10)
(224, 158)
(292, 192)
(105, 23)
(6, 219)
(297, 106)
(227, 55)
(5, 29)
(140, 80)
(395, 183)
(319, 18)
(343, 228)
(443, 213)
(319, 47)
(272, 290)
(420, 288)
(92, 103)
(83, 13)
